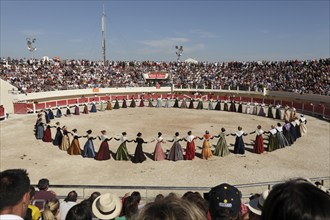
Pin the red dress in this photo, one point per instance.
(47, 134)
(104, 151)
(190, 149)
(258, 147)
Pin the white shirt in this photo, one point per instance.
(190, 138)
(65, 207)
(10, 217)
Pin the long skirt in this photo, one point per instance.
(240, 108)
(199, 105)
(270, 112)
(232, 107)
(176, 152)
(206, 151)
(293, 133)
(109, 106)
(58, 138)
(76, 110)
(281, 140)
(262, 112)
(133, 104)
(40, 131)
(159, 152)
(303, 129)
(104, 152)
(190, 151)
(58, 113)
(116, 106)
(85, 110)
(258, 147)
(239, 147)
(278, 114)
(225, 107)
(102, 108)
(210, 106)
(89, 150)
(47, 135)
(272, 143)
(65, 143)
(93, 109)
(51, 115)
(74, 148)
(150, 103)
(217, 106)
(176, 104)
(139, 156)
(141, 103)
(221, 149)
(191, 105)
(287, 134)
(122, 153)
(183, 104)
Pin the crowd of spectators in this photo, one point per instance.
(298, 199)
(306, 76)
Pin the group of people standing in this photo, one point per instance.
(279, 136)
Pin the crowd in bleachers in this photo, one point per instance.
(305, 76)
(299, 199)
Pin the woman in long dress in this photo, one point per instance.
(109, 105)
(287, 133)
(262, 110)
(240, 107)
(248, 108)
(232, 106)
(93, 108)
(258, 147)
(191, 104)
(58, 112)
(190, 148)
(210, 106)
(48, 134)
(124, 104)
(139, 156)
(225, 106)
(303, 125)
(40, 130)
(65, 139)
(85, 111)
(221, 149)
(102, 108)
(287, 113)
(206, 150)
(270, 112)
(200, 104)
(239, 147)
(150, 104)
(104, 151)
(278, 114)
(159, 152)
(159, 102)
(176, 103)
(183, 103)
(176, 152)
(218, 105)
(74, 148)
(116, 106)
(281, 140)
(122, 152)
(89, 150)
(142, 102)
(76, 109)
(168, 103)
(68, 111)
(272, 140)
(50, 113)
(255, 109)
(133, 103)
(58, 136)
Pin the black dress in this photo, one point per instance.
(176, 103)
(218, 106)
(139, 156)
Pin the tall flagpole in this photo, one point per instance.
(103, 36)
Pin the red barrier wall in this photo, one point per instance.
(20, 108)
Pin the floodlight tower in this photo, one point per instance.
(31, 48)
(179, 52)
(103, 37)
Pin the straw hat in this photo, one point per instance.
(256, 205)
(107, 206)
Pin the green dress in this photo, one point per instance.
(272, 141)
(221, 149)
(122, 153)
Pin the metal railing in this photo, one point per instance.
(148, 193)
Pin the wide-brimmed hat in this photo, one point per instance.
(107, 206)
(256, 205)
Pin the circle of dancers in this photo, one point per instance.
(279, 136)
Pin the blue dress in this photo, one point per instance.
(239, 147)
(40, 130)
(50, 114)
(58, 113)
(93, 109)
(89, 150)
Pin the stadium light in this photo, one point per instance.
(30, 46)
(179, 52)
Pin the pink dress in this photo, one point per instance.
(159, 152)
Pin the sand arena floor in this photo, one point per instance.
(308, 157)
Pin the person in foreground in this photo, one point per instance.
(225, 202)
(296, 199)
(14, 193)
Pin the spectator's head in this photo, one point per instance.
(43, 184)
(225, 202)
(14, 192)
(159, 197)
(171, 208)
(79, 212)
(136, 196)
(51, 209)
(198, 200)
(296, 199)
(32, 192)
(130, 207)
(71, 197)
(107, 206)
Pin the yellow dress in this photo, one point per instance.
(206, 151)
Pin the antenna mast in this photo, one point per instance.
(103, 36)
